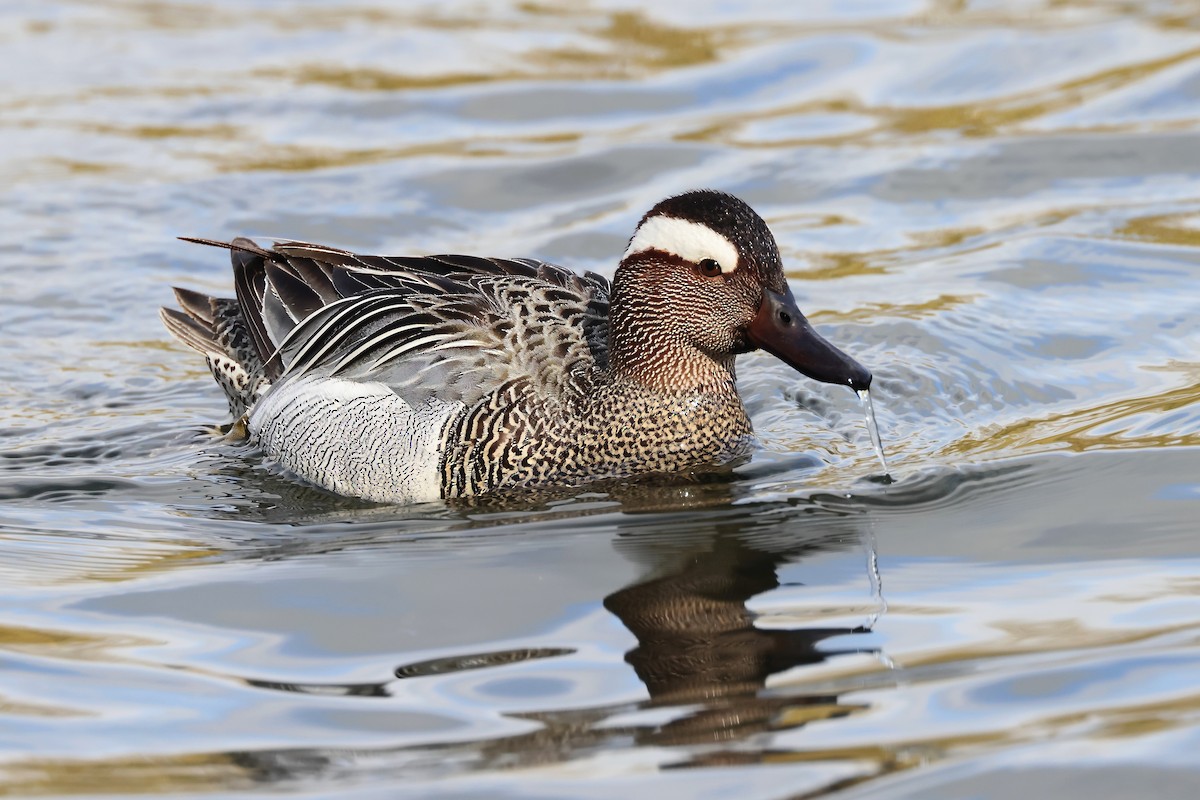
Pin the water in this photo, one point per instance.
(995, 208)
(864, 397)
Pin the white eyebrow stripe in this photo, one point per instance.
(689, 240)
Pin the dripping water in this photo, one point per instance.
(881, 604)
(871, 549)
(864, 396)
(876, 580)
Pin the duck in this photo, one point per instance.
(405, 379)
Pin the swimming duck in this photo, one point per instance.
(403, 379)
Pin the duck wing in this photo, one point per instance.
(451, 327)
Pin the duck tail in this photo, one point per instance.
(216, 328)
(194, 324)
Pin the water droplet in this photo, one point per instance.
(864, 395)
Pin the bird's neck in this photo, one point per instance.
(647, 347)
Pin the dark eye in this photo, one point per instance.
(709, 267)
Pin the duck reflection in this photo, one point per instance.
(698, 644)
(702, 658)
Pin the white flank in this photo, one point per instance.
(354, 438)
(690, 241)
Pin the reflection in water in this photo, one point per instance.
(702, 660)
(438, 666)
(697, 644)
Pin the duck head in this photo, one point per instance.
(702, 280)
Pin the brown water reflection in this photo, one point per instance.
(699, 656)
(697, 645)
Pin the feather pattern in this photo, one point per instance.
(474, 322)
(402, 378)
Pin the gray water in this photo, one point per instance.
(996, 207)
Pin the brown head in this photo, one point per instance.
(700, 282)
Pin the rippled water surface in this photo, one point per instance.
(996, 206)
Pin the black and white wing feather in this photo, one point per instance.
(450, 327)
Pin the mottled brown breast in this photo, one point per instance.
(518, 438)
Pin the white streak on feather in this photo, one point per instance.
(375, 341)
(407, 347)
(322, 321)
(689, 240)
(304, 360)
